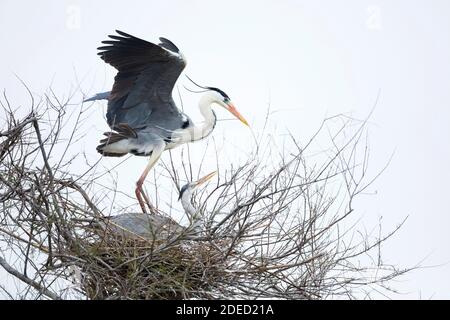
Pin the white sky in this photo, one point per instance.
(310, 59)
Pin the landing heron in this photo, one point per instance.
(141, 113)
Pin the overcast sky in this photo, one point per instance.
(309, 59)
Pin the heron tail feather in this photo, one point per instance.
(115, 143)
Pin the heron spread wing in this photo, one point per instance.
(142, 91)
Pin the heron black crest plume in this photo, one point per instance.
(207, 88)
(194, 91)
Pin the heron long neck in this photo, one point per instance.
(194, 218)
(187, 205)
(203, 130)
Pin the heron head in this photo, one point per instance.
(224, 100)
(191, 186)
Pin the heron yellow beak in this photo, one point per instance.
(205, 178)
(236, 113)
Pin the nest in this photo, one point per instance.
(161, 262)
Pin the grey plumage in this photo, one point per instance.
(141, 96)
(135, 224)
(142, 91)
(99, 96)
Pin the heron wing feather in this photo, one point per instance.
(142, 90)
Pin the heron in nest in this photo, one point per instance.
(157, 226)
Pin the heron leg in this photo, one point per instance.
(148, 203)
(139, 198)
(144, 200)
(156, 154)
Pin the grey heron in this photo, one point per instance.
(142, 114)
(157, 226)
(195, 221)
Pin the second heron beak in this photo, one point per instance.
(205, 179)
(233, 110)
